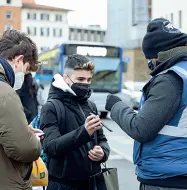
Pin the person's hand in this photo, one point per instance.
(111, 100)
(96, 154)
(36, 131)
(92, 124)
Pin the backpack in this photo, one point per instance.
(59, 107)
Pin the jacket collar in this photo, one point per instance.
(61, 84)
(169, 58)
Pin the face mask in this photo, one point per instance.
(19, 79)
(82, 90)
(152, 65)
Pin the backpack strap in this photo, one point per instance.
(60, 111)
(93, 107)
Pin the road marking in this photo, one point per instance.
(126, 157)
(115, 157)
(121, 139)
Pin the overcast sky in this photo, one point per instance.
(86, 11)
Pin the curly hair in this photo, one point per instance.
(14, 43)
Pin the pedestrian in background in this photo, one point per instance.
(28, 96)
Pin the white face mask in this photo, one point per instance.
(19, 79)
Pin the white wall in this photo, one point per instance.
(164, 8)
(43, 41)
(15, 3)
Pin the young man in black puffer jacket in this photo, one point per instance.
(77, 146)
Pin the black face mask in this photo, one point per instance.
(152, 65)
(83, 91)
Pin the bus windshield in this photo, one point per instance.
(107, 60)
(107, 76)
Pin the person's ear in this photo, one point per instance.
(18, 60)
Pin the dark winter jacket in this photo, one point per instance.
(68, 145)
(163, 95)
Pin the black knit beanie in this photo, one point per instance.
(161, 36)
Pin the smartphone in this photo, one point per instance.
(103, 124)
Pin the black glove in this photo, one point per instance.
(111, 100)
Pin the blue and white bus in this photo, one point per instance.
(109, 67)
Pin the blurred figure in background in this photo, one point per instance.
(28, 96)
(40, 95)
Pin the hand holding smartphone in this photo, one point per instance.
(103, 125)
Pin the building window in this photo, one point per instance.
(102, 36)
(8, 15)
(8, 1)
(31, 16)
(44, 16)
(180, 19)
(89, 36)
(99, 36)
(57, 32)
(59, 18)
(54, 32)
(44, 32)
(31, 31)
(172, 18)
(8, 27)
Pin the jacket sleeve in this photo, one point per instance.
(54, 143)
(16, 138)
(102, 142)
(162, 103)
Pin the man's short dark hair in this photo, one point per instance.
(14, 43)
(79, 62)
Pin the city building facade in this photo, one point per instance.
(175, 12)
(47, 26)
(126, 25)
(10, 14)
(92, 33)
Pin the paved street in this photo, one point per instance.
(118, 140)
(126, 176)
(121, 156)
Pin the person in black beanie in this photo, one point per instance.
(160, 127)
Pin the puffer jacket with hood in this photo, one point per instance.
(68, 145)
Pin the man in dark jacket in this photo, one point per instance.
(159, 128)
(77, 146)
